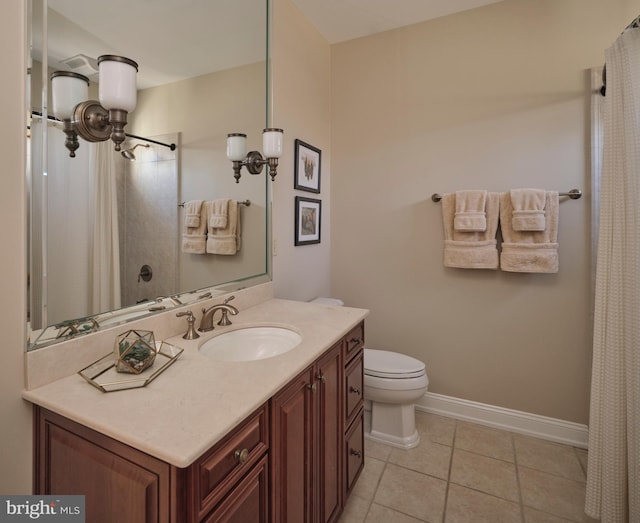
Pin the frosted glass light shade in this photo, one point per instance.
(67, 90)
(236, 147)
(117, 89)
(272, 143)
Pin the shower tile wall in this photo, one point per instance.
(149, 222)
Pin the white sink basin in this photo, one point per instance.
(250, 344)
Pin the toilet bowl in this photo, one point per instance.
(393, 382)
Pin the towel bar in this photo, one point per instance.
(243, 202)
(574, 194)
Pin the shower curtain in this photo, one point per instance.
(613, 482)
(105, 252)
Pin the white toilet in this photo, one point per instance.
(393, 382)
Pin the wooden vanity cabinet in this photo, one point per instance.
(293, 460)
(317, 436)
(119, 482)
(228, 483)
(306, 444)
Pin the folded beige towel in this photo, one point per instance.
(226, 240)
(192, 213)
(470, 211)
(470, 250)
(528, 209)
(218, 214)
(530, 251)
(194, 239)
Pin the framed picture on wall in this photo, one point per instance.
(308, 218)
(307, 167)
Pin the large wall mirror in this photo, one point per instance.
(106, 227)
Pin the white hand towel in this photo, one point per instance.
(218, 214)
(226, 240)
(470, 250)
(528, 209)
(194, 239)
(530, 251)
(470, 211)
(192, 213)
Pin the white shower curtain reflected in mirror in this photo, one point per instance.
(105, 248)
(80, 206)
(613, 479)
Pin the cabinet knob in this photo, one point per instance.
(355, 341)
(321, 377)
(312, 387)
(354, 390)
(242, 455)
(355, 453)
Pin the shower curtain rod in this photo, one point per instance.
(603, 90)
(574, 194)
(171, 146)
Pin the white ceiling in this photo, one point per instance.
(340, 20)
(177, 39)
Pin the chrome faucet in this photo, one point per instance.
(206, 323)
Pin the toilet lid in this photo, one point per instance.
(386, 364)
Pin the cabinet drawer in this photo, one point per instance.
(353, 389)
(218, 470)
(248, 501)
(354, 453)
(354, 342)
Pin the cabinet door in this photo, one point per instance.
(119, 483)
(329, 429)
(292, 444)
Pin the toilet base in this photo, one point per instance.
(391, 424)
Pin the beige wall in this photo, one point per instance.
(15, 415)
(493, 98)
(301, 73)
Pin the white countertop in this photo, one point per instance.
(196, 401)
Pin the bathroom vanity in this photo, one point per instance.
(279, 439)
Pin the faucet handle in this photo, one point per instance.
(191, 333)
(224, 320)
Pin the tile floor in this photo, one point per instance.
(462, 472)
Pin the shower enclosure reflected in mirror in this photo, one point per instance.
(105, 228)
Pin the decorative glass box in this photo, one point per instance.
(135, 351)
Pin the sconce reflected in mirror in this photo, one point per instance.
(96, 121)
(254, 161)
(68, 89)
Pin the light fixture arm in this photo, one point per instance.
(255, 162)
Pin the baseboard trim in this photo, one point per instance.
(559, 431)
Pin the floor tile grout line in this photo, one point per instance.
(446, 492)
(515, 461)
(375, 490)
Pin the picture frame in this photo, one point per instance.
(308, 214)
(307, 167)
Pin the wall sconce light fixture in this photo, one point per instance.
(254, 161)
(92, 120)
(68, 90)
